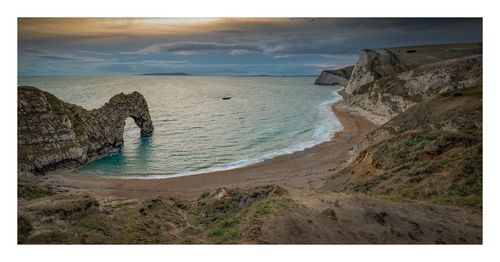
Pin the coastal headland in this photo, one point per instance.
(406, 168)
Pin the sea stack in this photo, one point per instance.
(335, 77)
(53, 133)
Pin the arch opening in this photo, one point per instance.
(131, 131)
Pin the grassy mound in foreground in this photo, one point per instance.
(221, 216)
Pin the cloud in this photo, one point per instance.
(271, 45)
(240, 52)
(229, 31)
(277, 46)
(310, 43)
(55, 56)
(284, 38)
(151, 62)
(325, 66)
(33, 51)
(145, 66)
(94, 53)
(184, 48)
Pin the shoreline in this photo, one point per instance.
(302, 169)
(335, 127)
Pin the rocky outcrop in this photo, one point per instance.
(52, 133)
(374, 64)
(387, 97)
(335, 77)
(386, 82)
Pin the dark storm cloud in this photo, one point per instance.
(324, 36)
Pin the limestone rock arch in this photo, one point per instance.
(53, 133)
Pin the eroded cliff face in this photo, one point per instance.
(386, 82)
(432, 151)
(335, 77)
(52, 133)
(428, 103)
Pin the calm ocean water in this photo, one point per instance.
(195, 130)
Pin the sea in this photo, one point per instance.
(195, 130)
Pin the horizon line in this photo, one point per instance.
(167, 74)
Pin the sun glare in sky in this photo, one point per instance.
(177, 20)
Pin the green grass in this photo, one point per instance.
(471, 201)
(263, 208)
(469, 93)
(271, 206)
(416, 139)
(54, 103)
(225, 231)
(447, 162)
(187, 241)
(24, 227)
(96, 222)
(29, 191)
(129, 233)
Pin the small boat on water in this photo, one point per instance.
(226, 98)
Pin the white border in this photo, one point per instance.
(256, 8)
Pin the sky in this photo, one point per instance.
(220, 46)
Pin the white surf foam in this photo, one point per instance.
(325, 130)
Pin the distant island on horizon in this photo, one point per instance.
(249, 75)
(173, 74)
(166, 74)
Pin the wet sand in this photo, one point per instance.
(307, 169)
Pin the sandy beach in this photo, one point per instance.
(304, 169)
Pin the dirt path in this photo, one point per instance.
(359, 219)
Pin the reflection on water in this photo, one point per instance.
(143, 147)
(143, 151)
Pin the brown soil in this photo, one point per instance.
(339, 218)
(267, 214)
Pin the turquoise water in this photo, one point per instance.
(195, 130)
